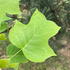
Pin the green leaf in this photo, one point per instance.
(3, 36)
(15, 54)
(4, 63)
(8, 6)
(3, 26)
(33, 37)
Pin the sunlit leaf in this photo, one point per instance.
(33, 38)
(3, 36)
(4, 63)
(8, 6)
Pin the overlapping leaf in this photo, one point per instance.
(33, 38)
(8, 6)
(3, 26)
(15, 54)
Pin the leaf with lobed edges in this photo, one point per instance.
(33, 38)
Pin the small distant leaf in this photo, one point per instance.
(8, 6)
(33, 38)
(3, 36)
(15, 54)
(4, 63)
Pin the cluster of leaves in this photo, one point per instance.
(28, 42)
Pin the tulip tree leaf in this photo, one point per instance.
(8, 6)
(33, 38)
(15, 54)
